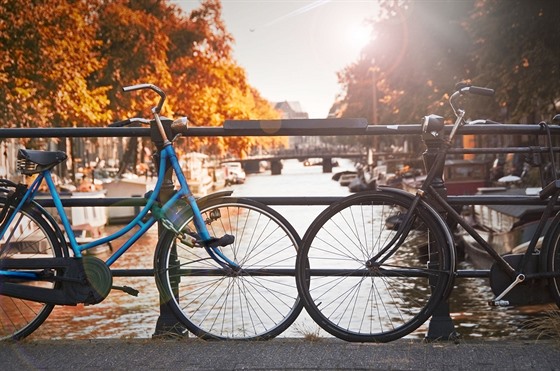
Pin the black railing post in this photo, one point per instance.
(167, 323)
(441, 325)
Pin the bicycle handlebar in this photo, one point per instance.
(156, 109)
(120, 124)
(462, 89)
(477, 90)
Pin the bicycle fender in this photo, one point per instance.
(213, 196)
(55, 227)
(550, 235)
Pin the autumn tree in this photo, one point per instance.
(48, 52)
(64, 63)
(208, 84)
(134, 44)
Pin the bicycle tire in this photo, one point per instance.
(215, 303)
(552, 245)
(378, 304)
(33, 237)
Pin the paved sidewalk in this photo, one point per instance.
(285, 354)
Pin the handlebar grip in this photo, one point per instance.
(144, 86)
(179, 124)
(119, 124)
(484, 122)
(477, 90)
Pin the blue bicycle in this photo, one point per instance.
(224, 265)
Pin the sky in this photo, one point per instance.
(291, 50)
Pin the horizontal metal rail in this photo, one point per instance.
(464, 273)
(302, 201)
(319, 129)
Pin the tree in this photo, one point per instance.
(517, 52)
(64, 63)
(419, 52)
(134, 44)
(48, 52)
(208, 85)
(422, 49)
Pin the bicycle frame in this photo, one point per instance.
(432, 191)
(167, 156)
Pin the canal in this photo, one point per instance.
(123, 316)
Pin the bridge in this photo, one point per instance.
(252, 164)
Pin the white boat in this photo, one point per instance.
(88, 222)
(126, 187)
(195, 166)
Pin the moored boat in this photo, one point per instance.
(507, 228)
(462, 177)
(126, 187)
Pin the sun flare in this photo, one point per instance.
(359, 35)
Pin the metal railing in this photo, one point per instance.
(326, 127)
(296, 127)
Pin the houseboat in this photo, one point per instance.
(507, 228)
(462, 177)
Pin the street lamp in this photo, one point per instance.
(374, 121)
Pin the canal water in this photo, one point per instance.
(125, 316)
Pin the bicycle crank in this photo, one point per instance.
(521, 291)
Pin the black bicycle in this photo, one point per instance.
(374, 266)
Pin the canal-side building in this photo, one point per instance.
(290, 110)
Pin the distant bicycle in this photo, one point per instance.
(374, 266)
(223, 264)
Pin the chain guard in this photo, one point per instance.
(96, 281)
(528, 292)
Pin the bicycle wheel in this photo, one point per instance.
(257, 303)
(383, 301)
(29, 236)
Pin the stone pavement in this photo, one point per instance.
(278, 354)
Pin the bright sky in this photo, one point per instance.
(292, 49)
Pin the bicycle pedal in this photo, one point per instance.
(126, 289)
(498, 303)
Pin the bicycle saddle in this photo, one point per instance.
(34, 161)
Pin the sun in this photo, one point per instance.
(359, 35)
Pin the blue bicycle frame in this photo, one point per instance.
(167, 156)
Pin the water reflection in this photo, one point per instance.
(123, 316)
